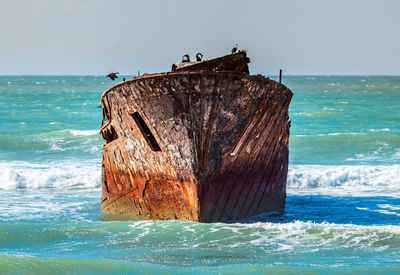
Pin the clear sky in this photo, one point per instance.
(299, 36)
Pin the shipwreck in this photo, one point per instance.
(205, 142)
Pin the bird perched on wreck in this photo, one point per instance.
(199, 57)
(186, 58)
(113, 76)
(234, 49)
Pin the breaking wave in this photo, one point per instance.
(357, 179)
(20, 175)
(333, 180)
(84, 132)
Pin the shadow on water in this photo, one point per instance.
(377, 210)
(338, 210)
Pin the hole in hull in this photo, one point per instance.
(147, 134)
(109, 134)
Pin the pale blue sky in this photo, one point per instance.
(299, 36)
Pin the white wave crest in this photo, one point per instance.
(345, 180)
(317, 179)
(380, 130)
(18, 175)
(308, 237)
(84, 132)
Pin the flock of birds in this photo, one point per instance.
(185, 59)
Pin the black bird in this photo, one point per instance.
(186, 58)
(199, 57)
(113, 76)
(234, 49)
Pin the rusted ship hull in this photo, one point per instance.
(201, 146)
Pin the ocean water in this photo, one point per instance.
(343, 206)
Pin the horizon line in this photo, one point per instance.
(2, 75)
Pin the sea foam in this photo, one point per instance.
(84, 132)
(318, 179)
(345, 180)
(18, 175)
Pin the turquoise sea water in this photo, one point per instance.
(342, 213)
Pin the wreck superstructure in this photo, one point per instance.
(205, 142)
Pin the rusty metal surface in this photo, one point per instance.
(223, 138)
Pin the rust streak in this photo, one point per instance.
(201, 147)
(211, 117)
(122, 194)
(263, 155)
